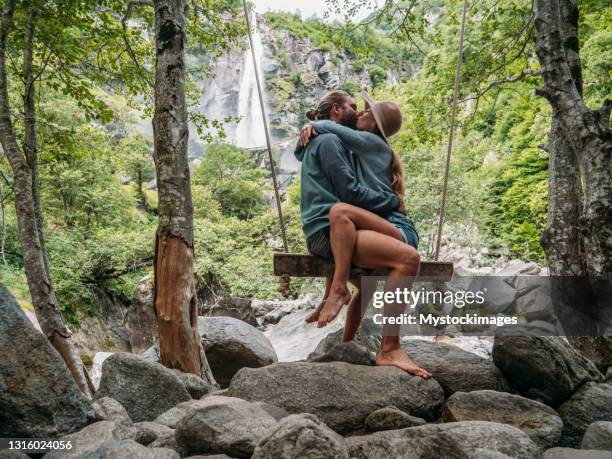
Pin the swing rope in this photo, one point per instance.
(281, 220)
(451, 132)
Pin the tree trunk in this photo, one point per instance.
(39, 282)
(586, 131)
(30, 146)
(174, 287)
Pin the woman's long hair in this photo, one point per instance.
(397, 170)
(323, 110)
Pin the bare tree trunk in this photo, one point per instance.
(562, 239)
(39, 282)
(586, 131)
(174, 288)
(30, 146)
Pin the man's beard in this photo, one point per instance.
(349, 120)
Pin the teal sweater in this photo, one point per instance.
(328, 176)
(373, 164)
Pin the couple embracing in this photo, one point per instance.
(353, 211)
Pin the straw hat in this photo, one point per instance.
(386, 114)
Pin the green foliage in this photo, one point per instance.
(367, 46)
(233, 179)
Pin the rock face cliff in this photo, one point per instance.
(294, 73)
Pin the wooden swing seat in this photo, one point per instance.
(304, 265)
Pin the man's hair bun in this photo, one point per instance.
(312, 114)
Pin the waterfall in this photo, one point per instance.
(250, 131)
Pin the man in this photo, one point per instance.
(327, 178)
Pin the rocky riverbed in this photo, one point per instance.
(285, 389)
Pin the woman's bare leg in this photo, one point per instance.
(314, 315)
(345, 220)
(379, 251)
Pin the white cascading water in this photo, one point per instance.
(250, 131)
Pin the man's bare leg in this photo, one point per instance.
(375, 250)
(353, 314)
(345, 220)
(314, 315)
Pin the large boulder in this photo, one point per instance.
(94, 440)
(598, 436)
(539, 421)
(369, 336)
(591, 403)
(301, 436)
(455, 440)
(349, 352)
(238, 308)
(141, 320)
(223, 425)
(145, 389)
(38, 397)
(571, 453)
(390, 418)
(544, 368)
(231, 344)
(129, 449)
(455, 369)
(340, 394)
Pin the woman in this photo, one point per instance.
(385, 243)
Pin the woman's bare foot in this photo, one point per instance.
(314, 315)
(337, 298)
(398, 358)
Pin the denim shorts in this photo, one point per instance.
(319, 243)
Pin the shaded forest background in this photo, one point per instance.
(95, 166)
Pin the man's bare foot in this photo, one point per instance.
(337, 298)
(398, 358)
(314, 315)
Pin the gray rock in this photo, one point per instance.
(544, 368)
(539, 421)
(168, 440)
(171, 417)
(350, 352)
(499, 296)
(196, 386)
(598, 349)
(141, 320)
(148, 432)
(129, 449)
(276, 412)
(12, 454)
(145, 389)
(109, 409)
(38, 397)
(301, 436)
(340, 394)
(390, 418)
(238, 308)
(369, 336)
(609, 374)
(571, 453)
(591, 403)
(455, 369)
(231, 344)
(223, 425)
(598, 436)
(455, 440)
(94, 440)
